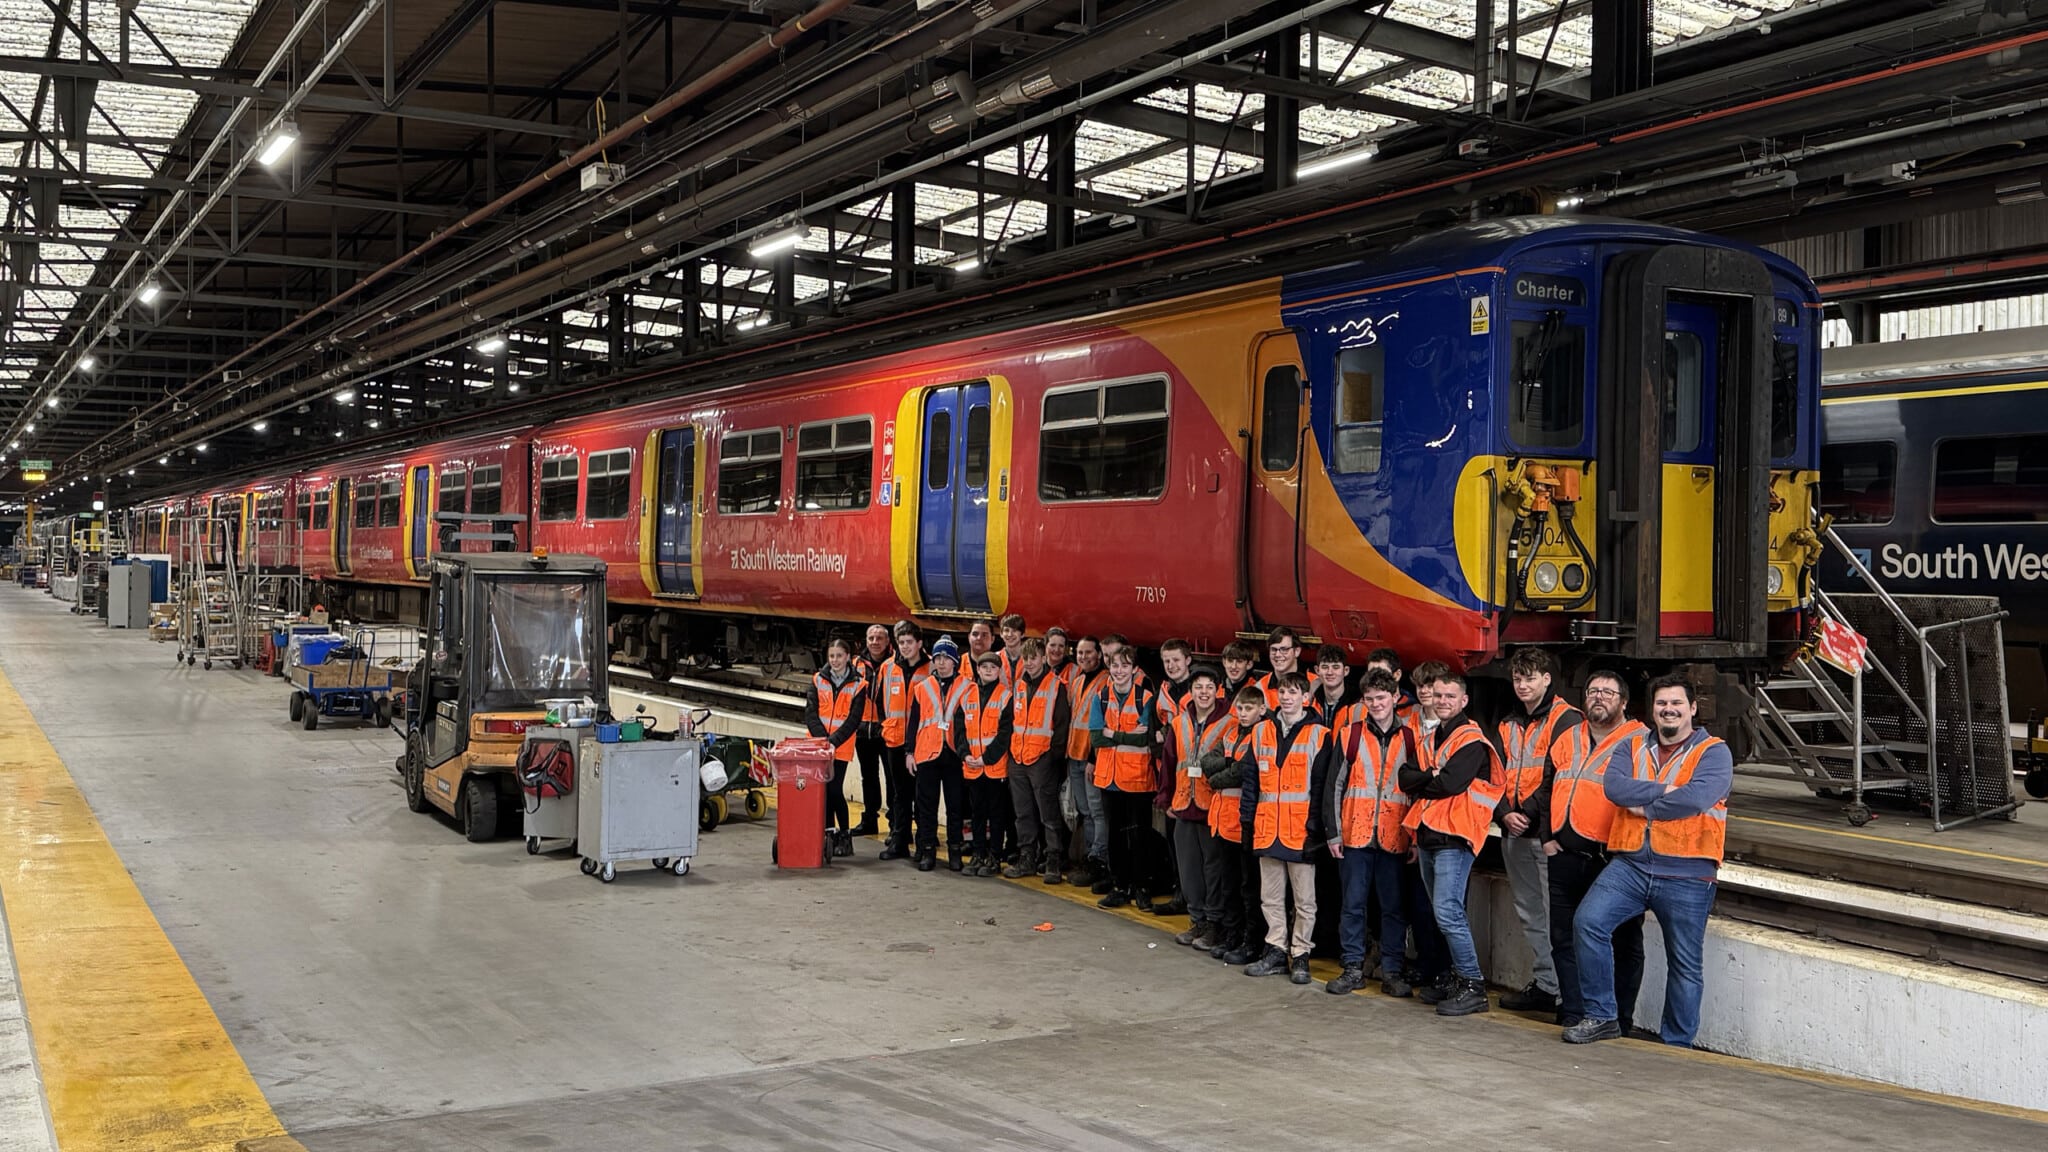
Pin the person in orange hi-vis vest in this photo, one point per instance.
(868, 745)
(1087, 680)
(1011, 629)
(834, 703)
(1330, 694)
(898, 690)
(1432, 955)
(1670, 793)
(1234, 885)
(1176, 662)
(1039, 718)
(1282, 772)
(1363, 807)
(1452, 789)
(933, 762)
(1238, 658)
(981, 739)
(1389, 661)
(1126, 772)
(1540, 718)
(1575, 840)
(1283, 652)
(1200, 727)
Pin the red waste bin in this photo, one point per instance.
(803, 771)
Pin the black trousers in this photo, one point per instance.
(1129, 817)
(902, 796)
(1035, 802)
(869, 749)
(1223, 876)
(837, 814)
(941, 777)
(1571, 877)
(1248, 896)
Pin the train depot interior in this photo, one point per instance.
(491, 492)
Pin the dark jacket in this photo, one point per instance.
(998, 745)
(1536, 805)
(814, 722)
(1248, 785)
(1471, 762)
(871, 671)
(1320, 704)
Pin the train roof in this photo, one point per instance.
(1494, 242)
(1938, 357)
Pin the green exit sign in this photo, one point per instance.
(36, 465)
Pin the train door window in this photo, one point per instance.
(835, 464)
(486, 492)
(1101, 441)
(1684, 390)
(938, 457)
(558, 488)
(1784, 399)
(366, 506)
(453, 494)
(1280, 418)
(1547, 406)
(610, 485)
(1856, 481)
(1991, 480)
(977, 446)
(750, 472)
(321, 500)
(390, 497)
(1361, 407)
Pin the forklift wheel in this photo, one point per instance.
(298, 706)
(312, 717)
(479, 810)
(756, 805)
(589, 866)
(383, 711)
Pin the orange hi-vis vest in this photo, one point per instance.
(935, 716)
(1191, 792)
(1577, 797)
(1373, 803)
(982, 709)
(871, 671)
(1031, 712)
(1701, 836)
(1264, 683)
(1526, 747)
(1226, 814)
(1081, 690)
(896, 693)
(1127, 768)
(833, 707)
(1284, 799)
(1467, 814)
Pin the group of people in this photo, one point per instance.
(1270, 785)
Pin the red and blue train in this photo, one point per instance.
(1592, 433)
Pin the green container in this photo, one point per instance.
(632, 731)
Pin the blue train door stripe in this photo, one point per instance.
(675, 477)
(952, 511)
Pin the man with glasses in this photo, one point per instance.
(1283, 652)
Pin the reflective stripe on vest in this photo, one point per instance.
(983, 719)
(1702, 836)
(1578, 797)
(1527, 746)
(1467, 814)
(1374, 804)
(1031, 712)
(833, 708)
(871, 671)
(1226, 814)
(1081, 690)
(935, 716)
(1283, 809)
(1190, 791)
(1126, 767)
(896, 693)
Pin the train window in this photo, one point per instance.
(1361, 407)
(750, 472)
(305, 511)
(1991, 480)
(486, 491)
(1280, 418)
(454, 492)
(558, 488)
(388, 502)
(1548, 406)
(1784, 399)
(1684, 371)
(366, 506)
(977, 446)
(1099, 442)
(322, 500)
(938, 462)
(835, 464)
(1856, 481)
(610, 484)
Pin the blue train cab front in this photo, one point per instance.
(1592, 431)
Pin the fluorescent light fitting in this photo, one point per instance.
(967, 265)
(337, 433)
(29, 428)
(163, 459)
(88, 362)
(202, 447)
(781, 241)
(373, 423)
(345, 397)
(751, 323)
(51, 402)
(150, 291)
(1568, 203)
(260, 426)
(490, 344)
(1329, 162)
(13, 445)
(131, 471)
(280, 142)
(513, 387)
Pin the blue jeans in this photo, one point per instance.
(1088, 802)
(1445, 873)
(1368, 873)
(1623, 892)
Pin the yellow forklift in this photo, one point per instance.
(509, 638)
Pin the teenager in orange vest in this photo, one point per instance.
(1389, 661)
(981, 739)
(1201, 727)
(834, 703)
(1238, 658)
(1330, 694)
(1432, 955)
(868, 744)
(1086, 682)
(1011, 629)
(1176, 684)
(1540, 718)
(1670, 792)
(898, 687)
(1039, 719)
(1363, 809)
(981, 639)
(1575, 840)
(933, 763)
(1126, 773)
(1234, 884)
(1452, 790)
(1281, 775)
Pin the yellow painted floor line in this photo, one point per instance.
(1846, 834)
(132, 1056)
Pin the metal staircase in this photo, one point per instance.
(211, 612)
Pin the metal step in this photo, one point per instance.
(1813, 717)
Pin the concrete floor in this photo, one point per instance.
(394, 987)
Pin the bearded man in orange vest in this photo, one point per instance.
(1453, 789)
(1671, 796)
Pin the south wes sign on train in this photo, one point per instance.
(1963, 562)
(773, 559)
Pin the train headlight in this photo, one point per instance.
(1546, 577)
(1774, 582)
(1574, 578)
